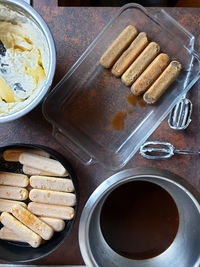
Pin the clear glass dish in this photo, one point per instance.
(84, 105)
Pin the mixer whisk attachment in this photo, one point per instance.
(162, 150)
(180, 116)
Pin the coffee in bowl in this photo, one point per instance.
(139, 220)
(141, 217)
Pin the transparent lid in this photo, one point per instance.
(93, 113)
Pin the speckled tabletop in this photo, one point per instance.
(73, 30)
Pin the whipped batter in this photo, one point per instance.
(23, 64)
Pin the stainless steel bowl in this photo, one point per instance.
(184, 250)
(23, 8)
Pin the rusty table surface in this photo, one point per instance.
(73, 30)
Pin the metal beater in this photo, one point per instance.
(180, 116)
(162, 150)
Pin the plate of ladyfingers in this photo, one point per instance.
(38, 201)
(123, 86)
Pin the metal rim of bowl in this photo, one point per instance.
(114, 181)
(52, 61)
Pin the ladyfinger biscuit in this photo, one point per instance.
(48, 210)
(14, 179)
(6, 205)
(7, 234)
(42, 163)
(20, 229)
(162, 83)
(12, 192)
(14, 153)
(118, 46)
(148, 77)
(32, 222)
(140, 64)
(52, 183)
(57, 224)
(52, 197)
(127, 58)
(33, 171)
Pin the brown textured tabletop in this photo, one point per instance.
(73, 30)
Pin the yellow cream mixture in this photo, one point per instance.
(21, 67)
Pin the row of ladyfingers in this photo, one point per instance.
(140, 64)
(23, 226)
(52, 196)
(17, 186)
(35, 162)
(62, 211)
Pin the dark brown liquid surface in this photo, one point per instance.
(139, 220)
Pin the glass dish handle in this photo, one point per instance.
(71, 146)
(175, 29)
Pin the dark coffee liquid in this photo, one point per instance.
(139, 220)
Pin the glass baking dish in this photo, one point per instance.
(92, 112)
